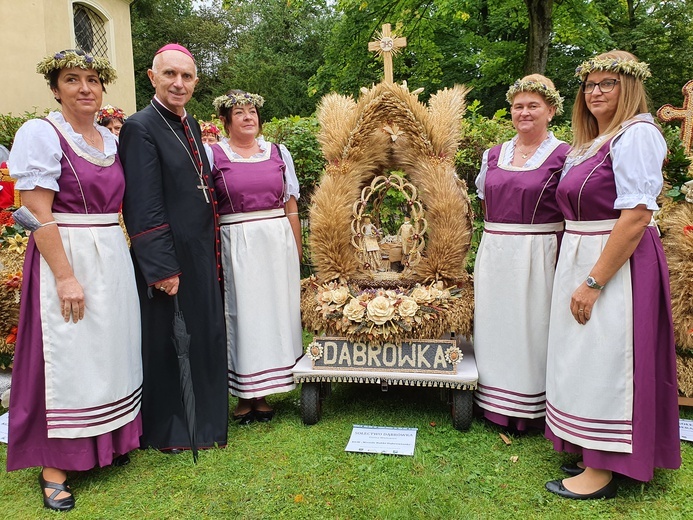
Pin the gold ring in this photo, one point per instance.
(162, 288)
(581, 310)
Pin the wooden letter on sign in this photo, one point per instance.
(424, 355)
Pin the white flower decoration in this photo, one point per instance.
(314, 350)
(380, 310)
(354, 310)
(453, 355)
(407, 307)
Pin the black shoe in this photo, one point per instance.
(172, 451)
(64, 504)
(557, 487)
(264, 416)
(572, 469)
(245, 418)
(120, 460)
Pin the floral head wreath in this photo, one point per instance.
(244, 98)
(638, 69)
(76, 58)
(551, 95)
(209, 128)
(110, 112)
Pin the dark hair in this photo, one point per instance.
(55, 73)
(107, 121)
(224, 111)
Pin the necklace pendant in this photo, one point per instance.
(203, 187)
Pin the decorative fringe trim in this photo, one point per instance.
(379, 380)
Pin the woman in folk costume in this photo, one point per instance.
(210, 133)
(513, 274)
(112, 118)
(257, 188)
(77, 375)
(611, 370)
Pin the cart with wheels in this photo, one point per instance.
(390, 227)
(456, 386)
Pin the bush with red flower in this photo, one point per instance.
(13, 243)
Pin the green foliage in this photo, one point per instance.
(478, 134)
(205, 32)
(9, 125)
(285, 470)
(299, 135)
(278, 46)
(676, 167)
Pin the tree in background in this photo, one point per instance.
(294, 51)
(204, 31)
(278, 46)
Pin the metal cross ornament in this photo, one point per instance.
(386, 44)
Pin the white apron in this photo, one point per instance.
(589, 386)
(261, 301)
(513, 278)
(93, 368)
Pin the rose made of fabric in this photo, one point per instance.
(380, 310)
(421, 295)
(340, 295)
(354, 311)
(407, 307)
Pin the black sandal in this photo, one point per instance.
(63, 504)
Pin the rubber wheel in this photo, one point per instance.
(461, 409)
(311, 405)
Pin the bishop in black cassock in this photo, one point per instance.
(170, 213)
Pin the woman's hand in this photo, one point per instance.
(71, 297)
(582, 302)
(291, 210)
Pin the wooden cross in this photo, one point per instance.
(685, 115)
(386, 44)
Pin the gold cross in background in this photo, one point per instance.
(386, 44)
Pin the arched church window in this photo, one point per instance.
(90, 31)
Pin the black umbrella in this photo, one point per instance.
(181, 340)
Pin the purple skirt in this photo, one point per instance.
(656, 442)
(29, 444)
(520, 424)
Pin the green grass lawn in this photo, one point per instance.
(287, 470)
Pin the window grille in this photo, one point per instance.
(90, 31)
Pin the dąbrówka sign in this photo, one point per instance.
(424, 355)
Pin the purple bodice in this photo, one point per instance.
(246, 186)
(94, 189)
(588, 190)
(523, 196)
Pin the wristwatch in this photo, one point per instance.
(592, 283)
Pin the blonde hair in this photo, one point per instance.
(632, 100)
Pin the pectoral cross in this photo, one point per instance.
(386, 45)
(203, 187)
(685, 115)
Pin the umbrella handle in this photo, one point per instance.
(176, 307)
